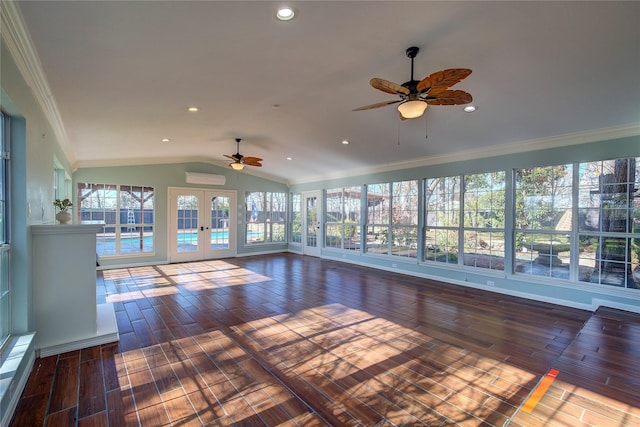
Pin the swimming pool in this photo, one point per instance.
(130, 244)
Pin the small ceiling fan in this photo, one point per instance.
(416, 95)
(239, 161)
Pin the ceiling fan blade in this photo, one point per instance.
(450, 97)
(389, 87)
(442, 79)
(230, 157)
(377, 105)
(252, 161)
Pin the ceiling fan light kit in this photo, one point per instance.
(236, 166)
(412, 109)
(416, 95)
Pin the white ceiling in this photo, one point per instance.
(122, 75)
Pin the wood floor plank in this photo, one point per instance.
(65, 385)
(92, 388)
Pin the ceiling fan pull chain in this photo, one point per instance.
(426, 127)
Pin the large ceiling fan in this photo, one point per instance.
(416, 95)
(239, 161)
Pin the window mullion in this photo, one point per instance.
(461, 222)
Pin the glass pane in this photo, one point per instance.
(544, 198)
(484, 200)
(442, 202)
(333, 237)
(608, 199)
(3, 204)
(441, 245)
(405, 241)
(542, 254)
(255, 232)
(277, 231)
(106, 241)
(405, 203)
(312, 221)
(377, 239)
(378, 204)
(610, 261)
(352, 213)
(296, 218)
(187, 232)
(484, 249)
(219, 236)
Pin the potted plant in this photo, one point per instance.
(63, 216)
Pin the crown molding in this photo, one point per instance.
(558, 141)
(17, 39)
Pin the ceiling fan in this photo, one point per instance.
(239, 161)
(416, 95)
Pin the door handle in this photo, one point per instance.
(201, 228)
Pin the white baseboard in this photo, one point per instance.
(106, 332)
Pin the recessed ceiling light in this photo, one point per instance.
(345, 142)
(193, 109)
(166, 140)
(289, 158)
(285, 13)
(470, 108)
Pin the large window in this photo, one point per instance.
(266, 216)
(609, 222)
(543, 220)
(5, 248)
(464, 220)
(127, 212)
(392, 218)
(483, 220)
(295, 226)
(342, 218)
(442, 219)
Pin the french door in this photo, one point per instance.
(202, 224)
(311, 228)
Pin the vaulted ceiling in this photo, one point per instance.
(122, 75)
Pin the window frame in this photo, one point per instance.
(114, 229)
(495, 259)
(382, 225)
(345, 233)
(295, 219)
(6, 293)
(262, 214)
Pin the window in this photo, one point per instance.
(128, 215)
(266, 215)
(483, 220)
(295, 227)
(442, 219)
(342, 218)
(5, 248)
(392, 218)
(609, 222)
(543, 217)
(61, 181)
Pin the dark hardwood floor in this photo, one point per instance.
(285, 340)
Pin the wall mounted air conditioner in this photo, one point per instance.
(205, 178)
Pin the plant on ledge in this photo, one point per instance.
(63, 205)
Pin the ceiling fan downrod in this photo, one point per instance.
(412, 52)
